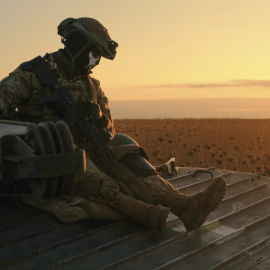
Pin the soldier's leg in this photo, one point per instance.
(96, 207)
(85, 203)
(191, 210)
(96, 183)
(70, 209)
(59, 208)
(138, 211)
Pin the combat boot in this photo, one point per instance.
(138, 211)
(191, 210)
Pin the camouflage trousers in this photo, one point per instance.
(93, 195)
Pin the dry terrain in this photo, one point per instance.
(232, 144)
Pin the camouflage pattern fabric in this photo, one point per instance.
(70, 209)
(20, 92)
(19, 100)
(92, 183)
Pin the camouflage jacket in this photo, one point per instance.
(20, 92)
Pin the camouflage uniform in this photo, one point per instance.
(20, 92)
(19, 100)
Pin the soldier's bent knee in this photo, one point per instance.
(138, 165)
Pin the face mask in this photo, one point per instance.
(93, 61)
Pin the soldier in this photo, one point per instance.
(97, 195)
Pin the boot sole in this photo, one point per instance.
(216, 193)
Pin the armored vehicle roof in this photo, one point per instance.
(235, 236)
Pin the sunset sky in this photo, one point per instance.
(167, 49)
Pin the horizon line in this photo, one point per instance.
(231, 83)
(181, 98)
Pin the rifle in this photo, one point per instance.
(97, 137)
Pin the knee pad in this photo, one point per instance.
(122, 139)
(138, 165)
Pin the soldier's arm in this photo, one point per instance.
(103, 102)
(14, 90)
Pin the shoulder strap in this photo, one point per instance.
(39, 67)
(93, 88)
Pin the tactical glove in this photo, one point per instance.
(90, 110)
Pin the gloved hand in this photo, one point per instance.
(88, 110)
(96, 111)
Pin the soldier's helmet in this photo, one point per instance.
(93, 32)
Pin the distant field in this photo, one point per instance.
(232, 144)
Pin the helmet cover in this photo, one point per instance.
(93, 32)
